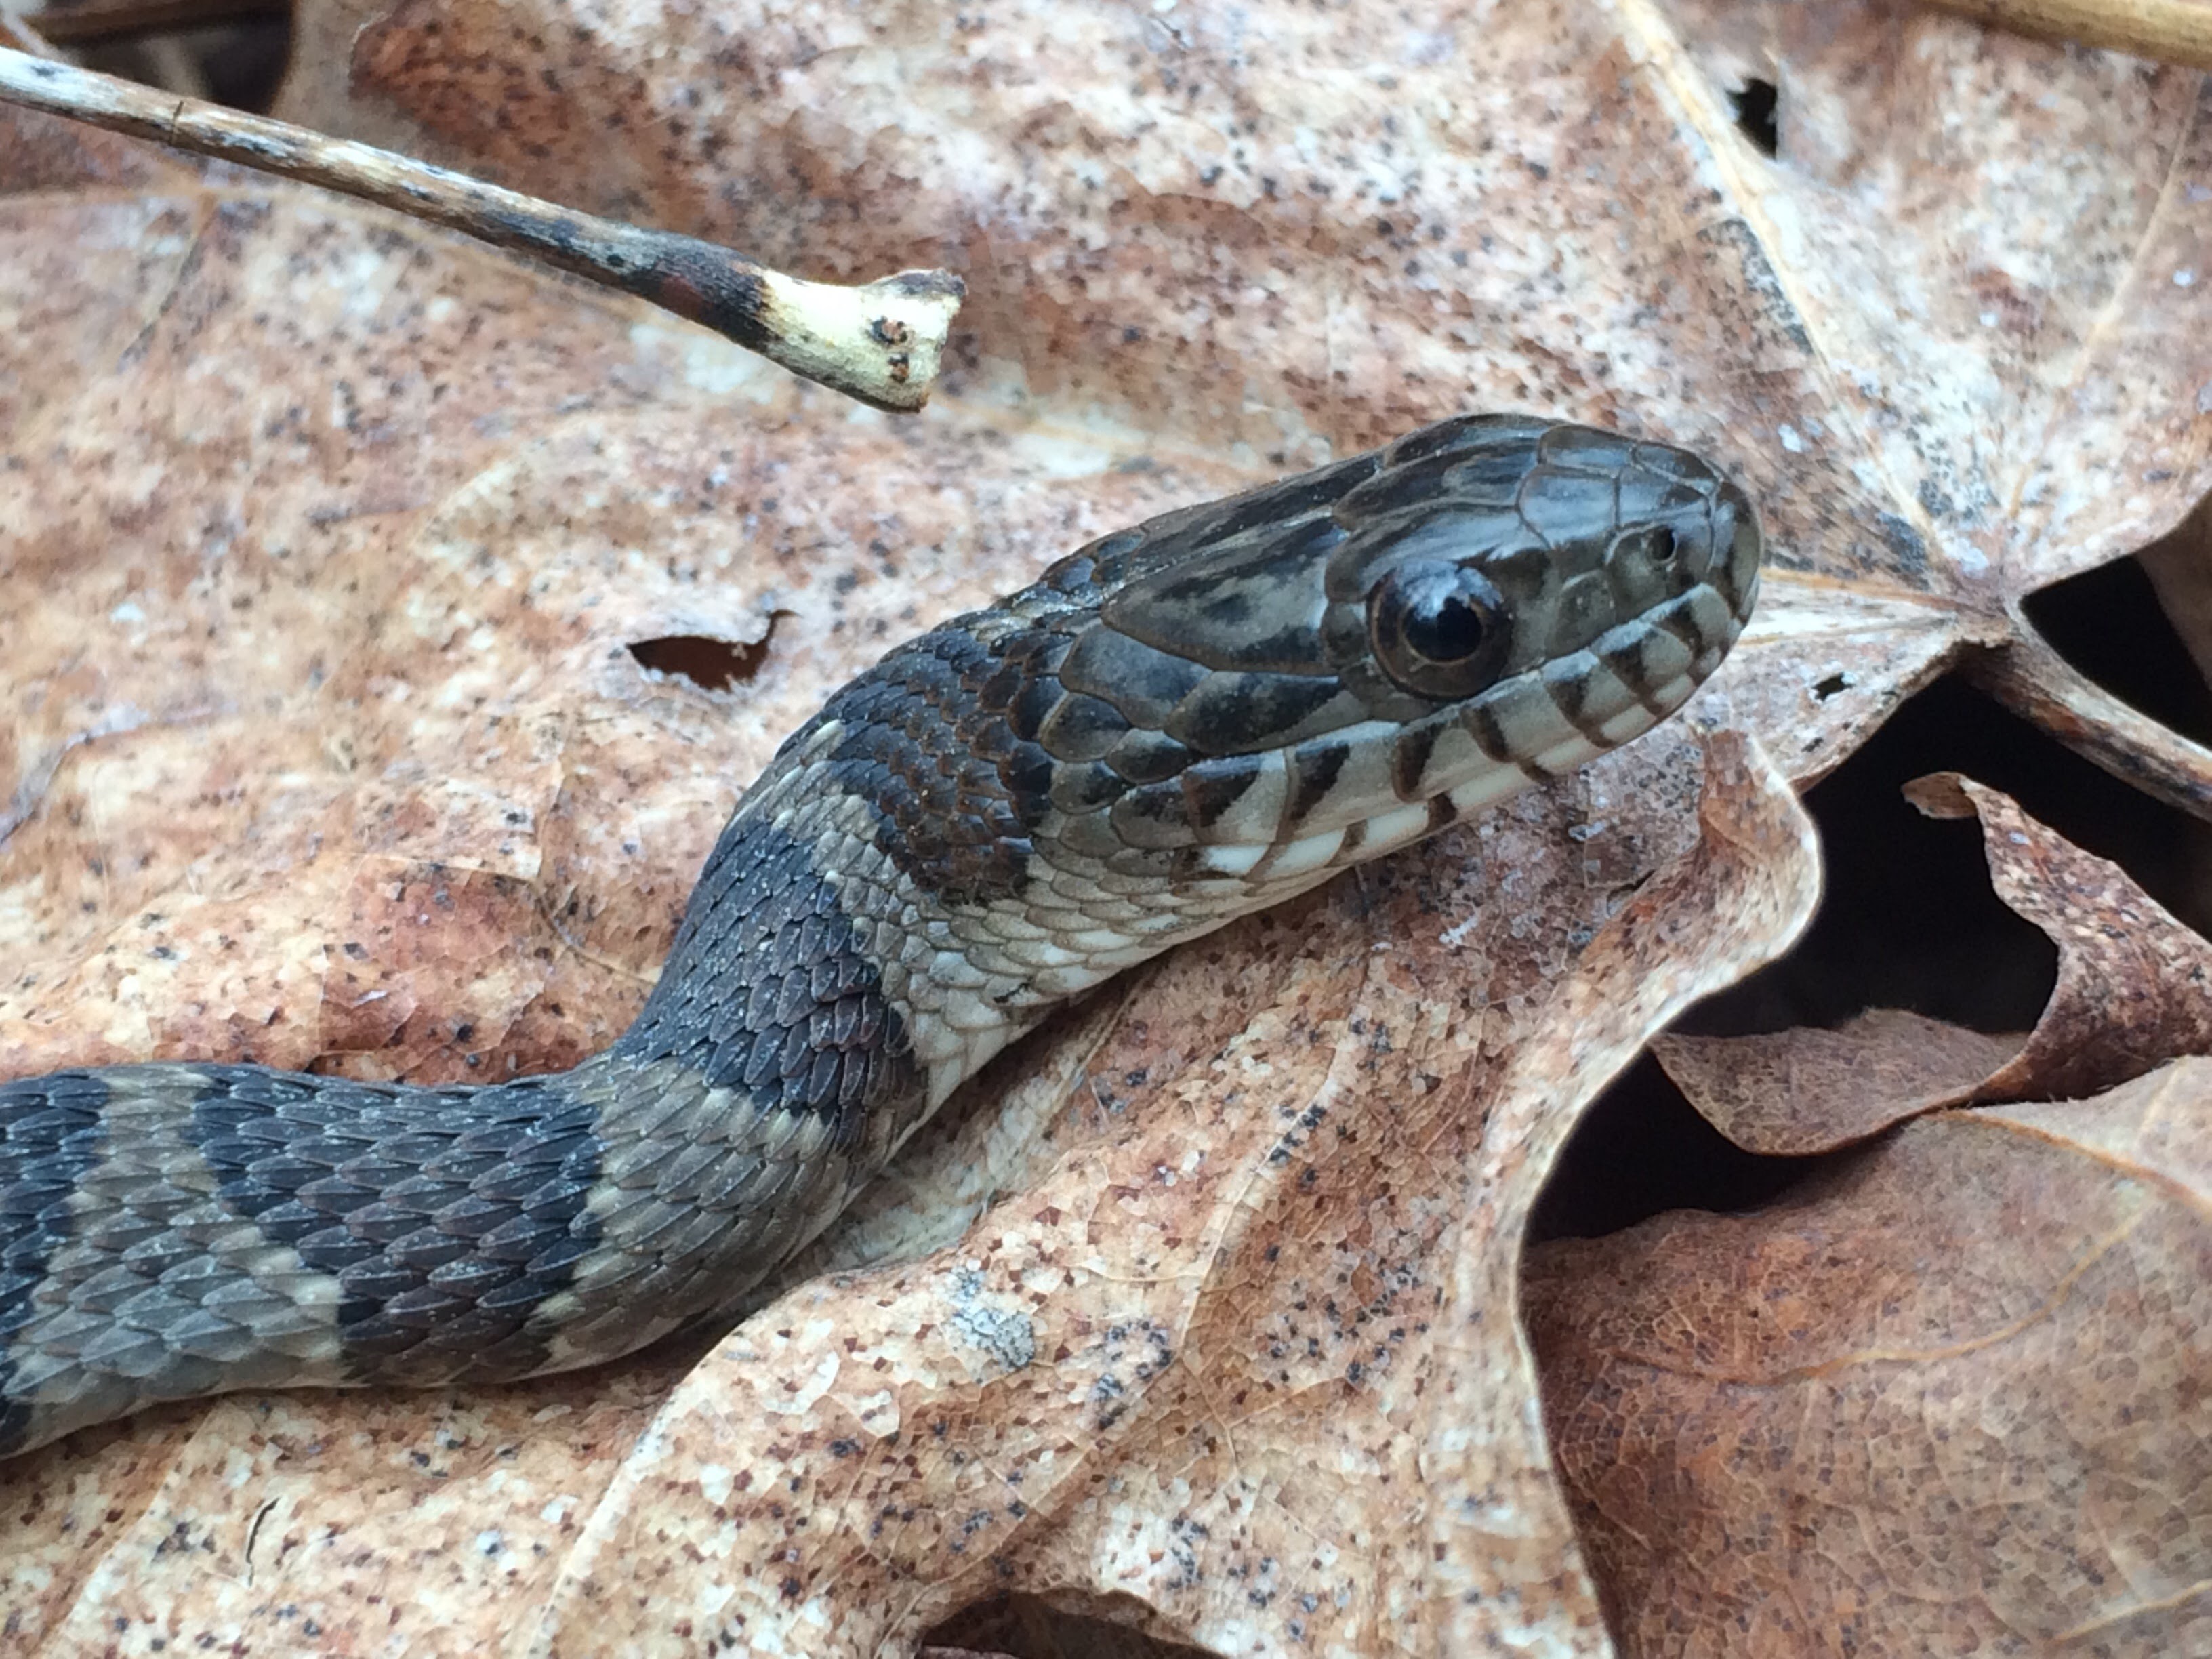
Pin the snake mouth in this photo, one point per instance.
(1470, 763)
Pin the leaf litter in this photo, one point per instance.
(1217, 1323)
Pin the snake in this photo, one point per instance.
(1174, 725)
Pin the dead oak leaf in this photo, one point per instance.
(2135, 986)
(1948, 1396)
(2134, 991)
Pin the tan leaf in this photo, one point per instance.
(2134, 990)
(1803, 1091)
(355, 530)
(1949, 1399)
(2135, 986)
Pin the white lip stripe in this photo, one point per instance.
(1632, 721)
(1565, 757)
(1232, 860)
(1395, 828)
(1305, 854)
(1485, 788)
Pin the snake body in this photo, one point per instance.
(1178, 724)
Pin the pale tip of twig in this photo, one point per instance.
(2165, 31)
(882, 342)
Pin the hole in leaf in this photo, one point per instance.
(1753, 103)
(711, 664)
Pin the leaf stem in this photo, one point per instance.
(2028, 677)
(2168, 31)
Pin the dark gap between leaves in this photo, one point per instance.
(232, 54)
(711, 664)
(2108, 623)
(1642, 1149)
(1755, 105)
(1029, 1627)
(1907, 920)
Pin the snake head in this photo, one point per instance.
(1494, 547)
(1254, 692)
(1350, 659)
(1197, 716)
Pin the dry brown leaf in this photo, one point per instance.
(1951, 1400)
(339, 537)
(2135, 986)
(2134, 991)
(1803, 1091)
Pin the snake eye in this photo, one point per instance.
(1440, 630)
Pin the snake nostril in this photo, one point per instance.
(1662, 545)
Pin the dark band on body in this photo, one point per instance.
(447, 1215)
(49, 1136)
(930, 744)
(770, 991)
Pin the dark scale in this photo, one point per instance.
(1280, 706)
(50, 1134)
(769, 990)
(1314, 769)
(1210, 788)
(1408, 760)
(929, 744)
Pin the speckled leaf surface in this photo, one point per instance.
(328, 539)
(2134, 990)
(1894, 1416)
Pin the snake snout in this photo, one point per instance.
(1736, 576)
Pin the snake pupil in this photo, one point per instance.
(1446, 630)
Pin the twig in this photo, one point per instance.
(880, 342)
(2169, 31)
(105, 19)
